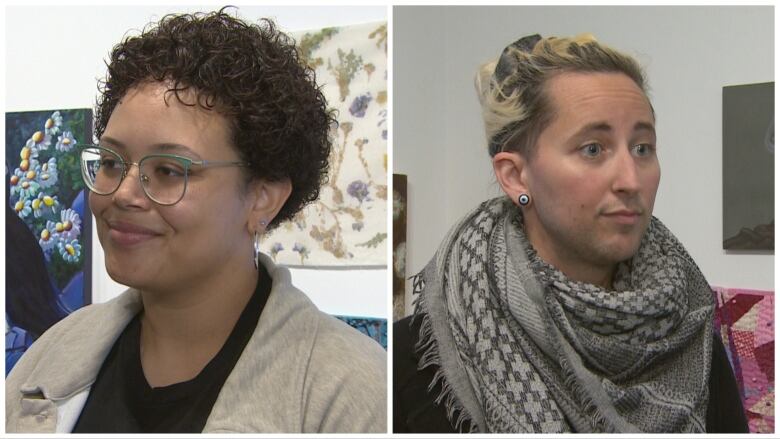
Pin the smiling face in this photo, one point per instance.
(594, 173)
(154, 247)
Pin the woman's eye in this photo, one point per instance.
(643, 150)
(108, 163)
(591, 150)
(169, 171)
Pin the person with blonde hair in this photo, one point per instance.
(564, 306)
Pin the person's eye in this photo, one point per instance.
(644, 149)
(591, 150)
(169, 171)
(109, 163)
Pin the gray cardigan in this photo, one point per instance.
(302, 371)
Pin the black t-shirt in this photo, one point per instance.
(415, 409)
(121, 401)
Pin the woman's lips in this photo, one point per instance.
(128, 234)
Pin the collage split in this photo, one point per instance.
(389, 220)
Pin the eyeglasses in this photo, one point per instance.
(163, 176)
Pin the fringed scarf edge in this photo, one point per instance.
(428, 350)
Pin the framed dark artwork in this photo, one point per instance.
(48, 225)
(372, 327)
(399, 246)
(748, 167)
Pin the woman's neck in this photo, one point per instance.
(182, 330)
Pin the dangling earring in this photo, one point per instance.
(523, 199)
(256, 253)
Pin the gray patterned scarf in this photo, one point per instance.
(521, 348)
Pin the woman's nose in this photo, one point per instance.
(130, 193)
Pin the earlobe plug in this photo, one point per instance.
(523, 199)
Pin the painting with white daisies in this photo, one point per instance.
(48, 224)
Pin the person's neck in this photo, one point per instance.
(183, 329)
(578, 271)
(574, 267)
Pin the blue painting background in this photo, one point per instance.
(374, 328)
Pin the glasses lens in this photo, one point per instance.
(102, 169)
(164, 178)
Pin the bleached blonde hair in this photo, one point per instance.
(511, 89)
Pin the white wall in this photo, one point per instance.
(54, 55)
(689, 53)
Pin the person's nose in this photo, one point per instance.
(626, 173)
(130, 194)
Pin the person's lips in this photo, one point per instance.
(126, 233)
(624, 216)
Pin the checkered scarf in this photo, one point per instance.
(521, 348)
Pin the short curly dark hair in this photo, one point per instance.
(250, 73)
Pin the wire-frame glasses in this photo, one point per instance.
(163, 176)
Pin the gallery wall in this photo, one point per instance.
(690, 54)
(55, 54)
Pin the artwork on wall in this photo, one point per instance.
(748, 167)
(48, 225)
(399, 246)
(374, 328)
(347, 225)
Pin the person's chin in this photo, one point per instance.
(622, 248)
(628, 250)
(127, 270)
(119, 277)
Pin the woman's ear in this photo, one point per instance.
(266, 199)
(512, 174)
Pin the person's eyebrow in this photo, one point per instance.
(175, 147)
(607, 128)
(644, 126)
(157, 147)
(112, 141)
(593, 127)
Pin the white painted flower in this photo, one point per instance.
(48, 175)
(23, 208)
(69, 226)
(52, 227)
(65, 142)
(70, 251)
(33, 171)
(28, 189)
(47, 241)
(36, 206)
(28, 158)
(28, 179)
(44, 204)
(15, 181)
(39, 141)
(53, 124)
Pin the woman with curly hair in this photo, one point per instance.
(211, 132)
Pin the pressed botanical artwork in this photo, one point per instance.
(347, 225)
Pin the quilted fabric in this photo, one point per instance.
(745, 319)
